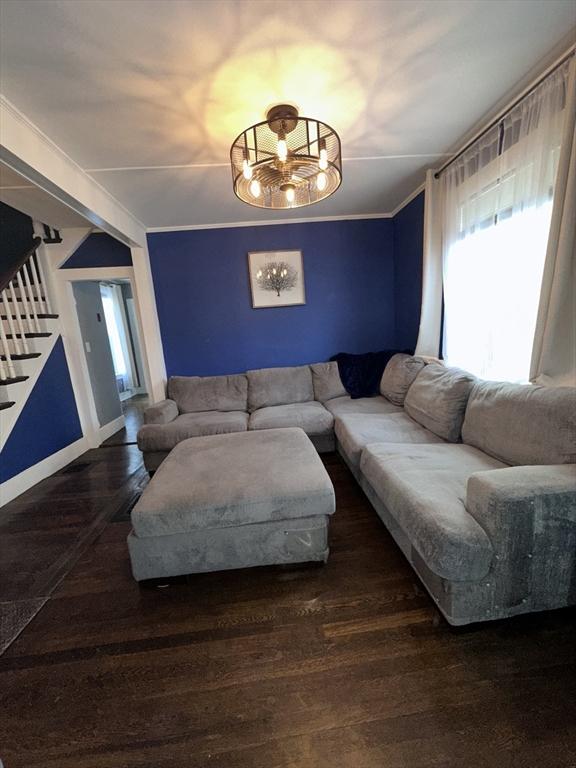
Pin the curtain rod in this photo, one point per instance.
(503, 114)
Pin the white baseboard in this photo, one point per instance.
(48, 466)
(110, 429)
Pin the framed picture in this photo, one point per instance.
(276, 278)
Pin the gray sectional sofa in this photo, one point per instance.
(307, 396)
(475, 480)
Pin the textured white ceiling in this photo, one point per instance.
(18, 192)
(141, 86)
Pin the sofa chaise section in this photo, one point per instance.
(488, 538)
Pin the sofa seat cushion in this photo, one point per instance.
(194, 394)
(356, 431)
(522, 423)
(235, 480)
(423, 487)
(164, 437)
(312, 417)
(437, 399)
(342, 405)
(279, 386)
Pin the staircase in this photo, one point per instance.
(27, 326)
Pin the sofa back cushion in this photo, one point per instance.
(399, 376)
(326, 381)
(279, 386)
(209, 393)
(437, 399)
(522, 423)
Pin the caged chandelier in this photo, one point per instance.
(287, 161)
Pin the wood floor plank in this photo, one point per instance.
(343, 666)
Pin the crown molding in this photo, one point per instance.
(270, 222)
(301, 220)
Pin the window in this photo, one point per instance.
(497, 210)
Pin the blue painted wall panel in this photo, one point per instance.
(408, 248)
(99, 250)
(48, 422)
(206, 317)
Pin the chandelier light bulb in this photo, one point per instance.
(246, 169)
(284, 162)
(282, 150)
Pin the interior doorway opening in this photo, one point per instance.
(113, 352)
(120, 319)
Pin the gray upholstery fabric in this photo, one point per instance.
(356, 431)
(234, 480)
(326, 381)
(161, 413)
(399, 376)
(209, 393)
(164, 437)
(279, 386)
(522, 424)
(217, 549)
(342, 405)
(153, 459)
(529, 514)
(312, 417)
(424, 488)
(437, 399)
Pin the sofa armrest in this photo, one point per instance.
(161, 413)
(500, 493)
(529, 515)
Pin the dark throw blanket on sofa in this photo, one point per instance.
(361, 374)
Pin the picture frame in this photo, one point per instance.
(276, 278)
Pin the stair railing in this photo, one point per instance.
(23, 297)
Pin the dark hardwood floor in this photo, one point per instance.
(343, 666)
(133, 410)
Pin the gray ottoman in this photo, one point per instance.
(233, 501)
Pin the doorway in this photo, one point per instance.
(113, 353)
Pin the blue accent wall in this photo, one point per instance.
(99, 250)
(207, 322)
(408, 251)
(48, 422)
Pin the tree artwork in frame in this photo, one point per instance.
(276, 278)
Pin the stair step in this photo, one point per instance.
(39, 315)
(35, 298)
(13, 380)
(3, 406)
(23, 356)
(28, 335)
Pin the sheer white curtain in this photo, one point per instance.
(497, 204)
(554, 351)
(116, 332)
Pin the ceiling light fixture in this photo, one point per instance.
(287, 161)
